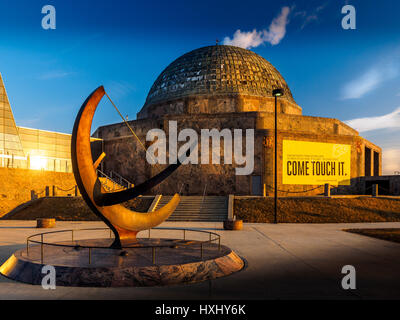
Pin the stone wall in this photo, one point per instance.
(126, 156)
(217, 104)
(387, 185)
(16, 185)
(305, 124)
(394, 185)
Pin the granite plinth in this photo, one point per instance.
(171, 262)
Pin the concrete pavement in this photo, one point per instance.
(284, 261)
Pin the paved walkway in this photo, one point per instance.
(285, 261)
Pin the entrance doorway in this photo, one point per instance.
(256, 189)
(367, 161)
(376, 163)
(383, 186)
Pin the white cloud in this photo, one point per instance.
(313, 16)
(27, 122)
(277, 28)
(387, 121)
(250, 39)
(54, 75)
(390, 161)
(309, 19)
(245, 40)
(369, 81)
(119, 89)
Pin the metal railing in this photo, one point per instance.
(202, 200)
(52, 192)
(101, 174)
(201, 244)
(121, 180)
(122, 184)
(116, 186)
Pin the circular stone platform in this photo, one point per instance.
(175, 262)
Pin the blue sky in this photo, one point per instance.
(351, 75)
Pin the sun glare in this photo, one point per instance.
(38, 163)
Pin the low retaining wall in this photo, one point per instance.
(16, 185)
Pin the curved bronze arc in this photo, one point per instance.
(111, 198)
(123, 222)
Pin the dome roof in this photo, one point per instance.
(217, 70)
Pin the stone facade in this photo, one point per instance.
(211, 104)
(128, 157)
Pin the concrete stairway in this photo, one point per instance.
(110, 185)
(197, 208)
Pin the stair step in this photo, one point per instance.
(198, 208)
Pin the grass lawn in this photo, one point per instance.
(384, 234)
(69, 209)
(318, 210)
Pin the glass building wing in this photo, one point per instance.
(28, 148)
(11, 151)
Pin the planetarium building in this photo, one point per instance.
(216, 88)
(226, 87)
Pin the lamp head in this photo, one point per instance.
(277, 92)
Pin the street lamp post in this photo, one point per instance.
(276, 93)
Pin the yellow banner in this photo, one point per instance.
(315, 163)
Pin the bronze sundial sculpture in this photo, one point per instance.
(171, 261)
(124, 222)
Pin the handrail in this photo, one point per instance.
(180, 189)
(121, 179)
(204, 195)
(198, 242)
(101, 174)
(111, 179)
(28, 239)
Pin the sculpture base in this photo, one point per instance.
(149, 262)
